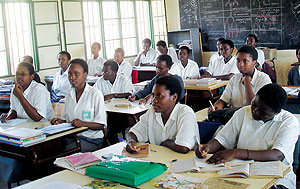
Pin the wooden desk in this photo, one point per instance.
(292, 104)
(161, 155)
(145, 72)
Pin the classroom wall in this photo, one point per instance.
(282, 62)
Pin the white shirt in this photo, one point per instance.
(218, 67)
(125, 68)
(235, 93)
(181, 127)
(172, 53)
(90, 108)
(149, 58)
(61, 84)
(96, 65)
(261, 57)
(281, 133)
(214, 57)
(122, 84)
(191, 71)
(38, 96)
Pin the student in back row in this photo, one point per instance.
(96, 62)
(29, 59)
(124, 66)
(163, 49)
(146, 56)
(252, 41)
(294, 73)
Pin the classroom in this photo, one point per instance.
(149, 93)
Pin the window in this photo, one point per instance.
(3, 61)
(159, 21)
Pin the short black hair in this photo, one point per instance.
(82, 63)
(185, 48)
(166, 58)
(65, 53)
(297, 50)
(161, 43)
(221, 39)
(228, 42)
(249, 50)
(28, 66)
(112, 64)
(273, 95)
(147, 40)
(254, 36)
(28, 58)
(172, 84)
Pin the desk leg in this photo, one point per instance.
(77, 142)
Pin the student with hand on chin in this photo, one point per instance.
(260, 132)
(167, 122)
(147, 55)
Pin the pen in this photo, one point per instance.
(212, 106)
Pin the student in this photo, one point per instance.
(147, 55)
(61, 84)
(252, 41)
(185, 68)
(164, 63)
(84, 107)
(218, 55)
(294, 73)
(243, 86)
(163, 49)
(124, 66)
(223, 68)
(260, 132)
(29, 59)
(167, 122)
(96, 62)
(113, 84)
(29, 99)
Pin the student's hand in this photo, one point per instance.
(131, 147)
(78, 123)
(246, 79)
(146, 99)
(132, 98)
(109, 96)
(199, 77)
(18, 91)
(56, 121)
(201, 150)
(222, 156)
(3, 118)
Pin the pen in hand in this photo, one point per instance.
(212, 106)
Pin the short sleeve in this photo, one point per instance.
(234, 69)
(98, 85)
(42, 99)
(99, 114)
(227, 94)
(128, 85)
(211, 65)
(140, 129)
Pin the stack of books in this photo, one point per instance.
(201, 82)
(5, 91)
(82, 160)
(21, 136)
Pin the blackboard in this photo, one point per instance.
(275, 22)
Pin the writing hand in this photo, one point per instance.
(201, 150)
(132, 98)
(131, 147)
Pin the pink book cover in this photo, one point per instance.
(81, 159)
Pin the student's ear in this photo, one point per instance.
(174, 97)
(31, 76)
(85, 75)
(255, 63)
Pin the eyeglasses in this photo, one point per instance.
(21, 74)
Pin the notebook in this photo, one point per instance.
(13, 122)
(143, 152)
(78, 161)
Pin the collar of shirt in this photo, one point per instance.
(29, 88)
(65, 72)
(231, 61)
(187, 65)
(277, 117)
(173, 116)
(86, 89)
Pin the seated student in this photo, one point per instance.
(96, 62)
(260, 132)
(61, 84)
(223, 68)
(252, 41)
(163, 49)
(218, 54)
(164, 63)
(147, 55)
(84, 107)
(243, 86)
(124, 66)
(29, 59)
(294, 73)
(185, 68)
(113, 84)
(167, 122)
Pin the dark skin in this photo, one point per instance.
(146, 47)
(260, 111)
(77, 78)
(110, 75)
(184, 57)
(164, 103)
(246, 66)
(162, 50)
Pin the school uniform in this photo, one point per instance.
(149, 58)
(294, 76)
(172, 53)
(125, 68)
(90, 107)
(38, 96)
(235, 93)
(280, 133)
(191, 71)
(261, 57)
(218, 67)
(61, 84)
(96, 65)
(181, 127)
(214, 57)
(122, 84)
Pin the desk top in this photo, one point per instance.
(206, 88)
(158, 154)
(144, 68)
(132, 108)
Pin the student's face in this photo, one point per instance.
(108, 73)
(260, 111)
(226, 51)
(161, 68)
(146, 47)
(218, 45)
(23, 77)
(250, 41)
(95, 49)
(63, 61)
(183, 55)
(162, 50)
(245, 63)
(118, 57)
(162, 100)
(76, 75)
